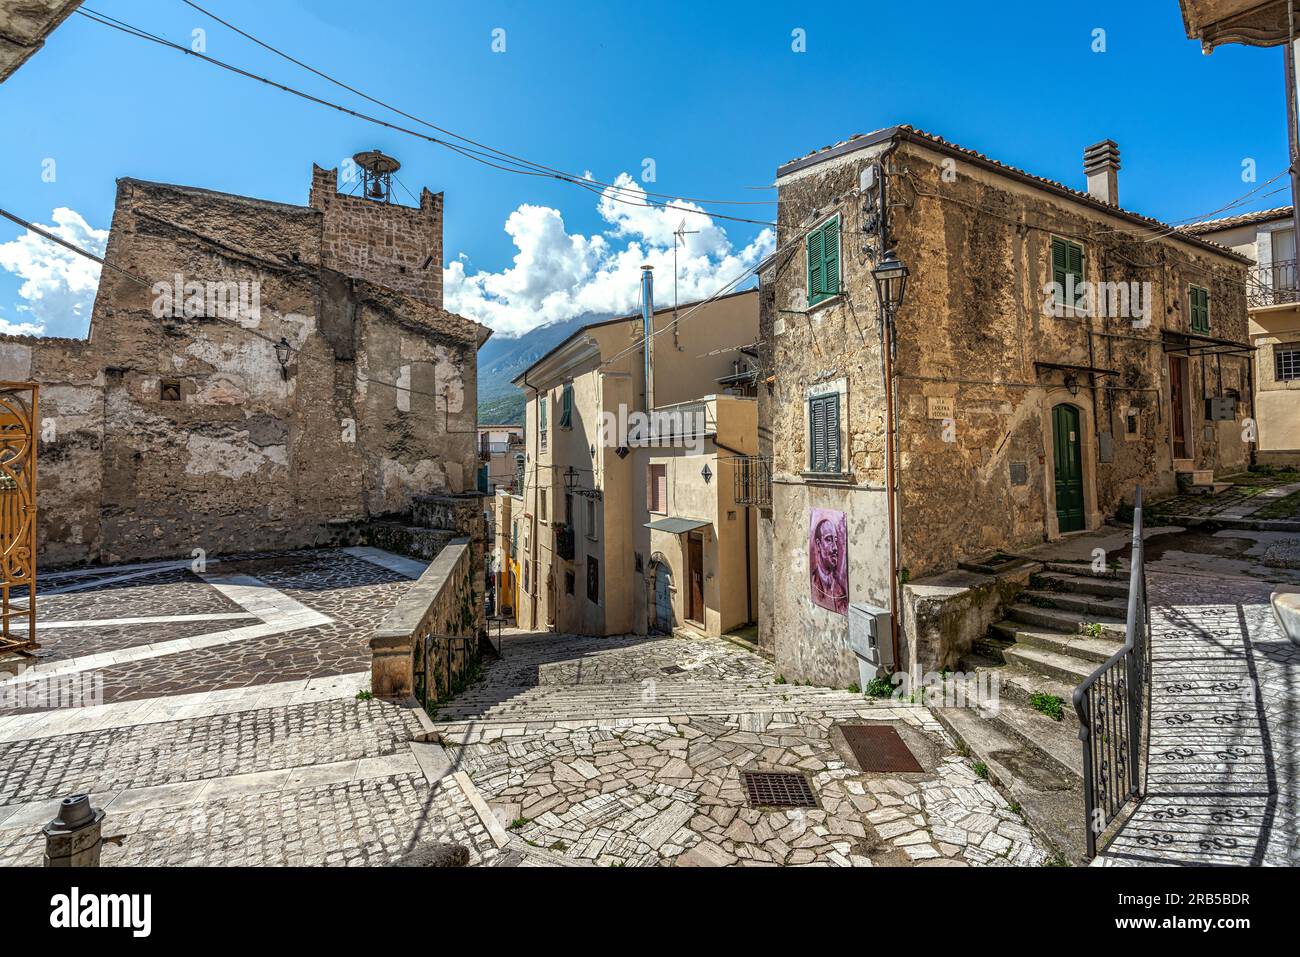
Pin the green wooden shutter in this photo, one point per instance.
(817, 434)
(566, 406)
(1060, 266)
(1200, 309)
(832, 432)
(542, 401)
(831, 256)
(816, 277)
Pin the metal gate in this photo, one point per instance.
(663, 580)
(17, 515)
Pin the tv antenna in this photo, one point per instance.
(678, 234)
(377, 175)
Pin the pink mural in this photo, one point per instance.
(828, 559)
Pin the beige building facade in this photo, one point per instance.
(1273, 298)
(586, 559)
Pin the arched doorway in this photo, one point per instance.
(1067, 456)
(663, 598)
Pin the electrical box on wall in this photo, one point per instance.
(871, 639)
(1221, 408)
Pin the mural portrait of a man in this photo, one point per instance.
(828, 559)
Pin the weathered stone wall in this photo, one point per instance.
(203, 440)
(972, 329)
(24, 27)
(970, 332)
(71, 421)
(390, 245)
(441, 603)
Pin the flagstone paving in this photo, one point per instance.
(1223, 785)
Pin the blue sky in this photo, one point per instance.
(712, 92)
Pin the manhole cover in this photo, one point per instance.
(778, 790)
(879, 748)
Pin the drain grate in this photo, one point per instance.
(673, 670)
(879, 748)
(778, 790)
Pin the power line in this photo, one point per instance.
(283, 342)
(488, 159)
(460, 136)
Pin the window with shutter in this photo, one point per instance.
(657, 488)
(824, 433)
(823, 248)
(541, 419)
(566, 406)
(1200, 308)
(1067, 270)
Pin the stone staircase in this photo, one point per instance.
(1066, 624)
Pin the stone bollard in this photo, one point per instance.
(75, 836)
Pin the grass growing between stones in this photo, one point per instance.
(1049, 704)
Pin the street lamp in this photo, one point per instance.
(282, 349)
(891, 282)
(570, 478)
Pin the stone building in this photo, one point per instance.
(24, 27)
(501, 454)
(1273, 298)
(587, 559)
(1052, 350)
(256, 376)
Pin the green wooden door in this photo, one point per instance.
(1069, 468)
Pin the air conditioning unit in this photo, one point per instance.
(871, 639)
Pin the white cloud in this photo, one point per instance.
(558, 275)
(58, 286)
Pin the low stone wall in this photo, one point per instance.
(440, 603)
(946, 614)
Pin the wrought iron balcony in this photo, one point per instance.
(1273, 284)
(753, 479)
(564, 542)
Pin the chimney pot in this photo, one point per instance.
(1101, 166)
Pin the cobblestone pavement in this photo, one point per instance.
(631, 751)
(221, 731)
(1223, 785)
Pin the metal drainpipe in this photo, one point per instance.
(887, 350)
(532, 538)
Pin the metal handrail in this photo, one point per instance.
(1114, 708)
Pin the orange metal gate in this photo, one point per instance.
(17, 515)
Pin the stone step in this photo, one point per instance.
(1068, 622)
(1050, 800)
(1057, 740)
(1084, 570)
(1089, 584)
(1096, 650)
(1065, 668)
(1094, 607)
(1184, 465)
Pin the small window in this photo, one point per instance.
(591, 519)
(1132, 423)
(1067, 271)
(541, 504)
(824, 433)
(566, 406)
(823, 247)
(1286, 364)
(169, 390)
(542, 401)
(568, 583)
(657, 488)
(593, 580)
(1199, 301)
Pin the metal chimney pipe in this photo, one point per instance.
(648, 321)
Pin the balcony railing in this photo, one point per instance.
(564, 542)
(753, 480)
(1273, 285)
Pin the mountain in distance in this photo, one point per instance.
(502, 359)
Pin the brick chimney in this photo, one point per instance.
(1101, 165)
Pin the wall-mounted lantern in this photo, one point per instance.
(891, 281)
(282, 352)
(570, 478)
(1072, 383)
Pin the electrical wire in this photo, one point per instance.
(492, 160)
(460, 136)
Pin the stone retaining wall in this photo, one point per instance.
(441, 602)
